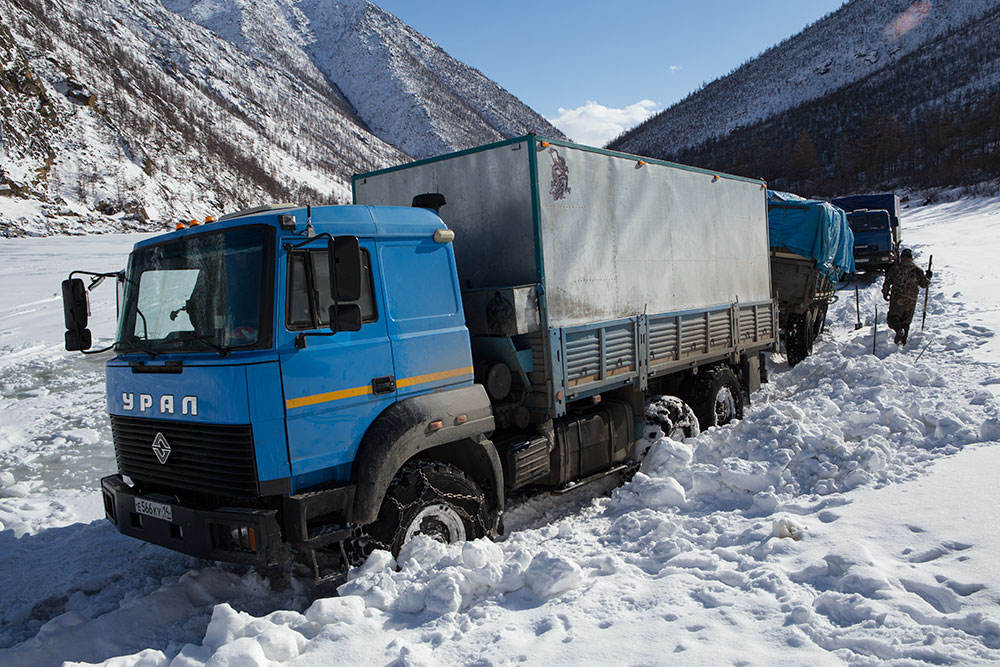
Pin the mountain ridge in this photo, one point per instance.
(180, 108)
(861, 38)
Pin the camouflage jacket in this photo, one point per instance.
(903, 281)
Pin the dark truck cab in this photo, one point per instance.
(874, 249)
(878, 246)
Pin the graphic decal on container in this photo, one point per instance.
(560, 176)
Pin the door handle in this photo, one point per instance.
(384, 385)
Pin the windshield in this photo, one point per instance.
(206, 292)
(869, 222)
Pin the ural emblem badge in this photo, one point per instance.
(161, 448)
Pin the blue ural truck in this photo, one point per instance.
(874, 219)
(313, 383)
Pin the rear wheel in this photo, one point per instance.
(798, 338)
(819, 320)
(716, 397)
(425, 498)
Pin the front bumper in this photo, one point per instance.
(879, 258)
(233, 534)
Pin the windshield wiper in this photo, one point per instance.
(221, 349)
(135, 343)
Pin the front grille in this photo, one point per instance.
(217, 459)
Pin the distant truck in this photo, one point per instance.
(875, 246)
(811, 249)
(315, 383)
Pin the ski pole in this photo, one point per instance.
(875, 330)
(857, 304)
(927, 290)
(922, 352)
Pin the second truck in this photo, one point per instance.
(315, 383)
(874, 219)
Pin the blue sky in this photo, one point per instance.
(597, 67)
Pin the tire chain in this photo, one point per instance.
(363, 539)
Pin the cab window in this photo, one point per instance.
(310, 267)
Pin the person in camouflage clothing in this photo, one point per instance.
(902, 284)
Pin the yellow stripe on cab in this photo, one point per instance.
(354, 392)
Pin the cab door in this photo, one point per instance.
(424, 315)
(337, 384)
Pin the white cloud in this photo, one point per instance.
(595, 124)
(675, 68)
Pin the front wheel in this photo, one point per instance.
(673, 417)
(666, 416)
(426, 498)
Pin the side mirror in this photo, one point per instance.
(345, 270)
(77, 341)
(76, 311)
(345, 317)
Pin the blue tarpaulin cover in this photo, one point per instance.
(811, 228)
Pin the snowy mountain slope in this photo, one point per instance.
(881, 465)
(859, 39)
(128, 108)
(178, 121)
(403, 86)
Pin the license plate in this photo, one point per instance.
(155, 510)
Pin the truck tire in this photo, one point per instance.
(425, 498)
(716, 397)
(819, 321)
(674, 418)
(798, 338)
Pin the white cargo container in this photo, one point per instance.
(609, 268)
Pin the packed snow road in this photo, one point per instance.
(847, 519)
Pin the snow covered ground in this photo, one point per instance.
(849, 518)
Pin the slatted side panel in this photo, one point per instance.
(720, 329)
(620, 353)
(663, 340)
(583, 357)
(694, 335)
(602, 354)
(756, 323)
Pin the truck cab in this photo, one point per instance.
(243, 388)
(874, 249)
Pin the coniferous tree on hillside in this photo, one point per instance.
(931, 119)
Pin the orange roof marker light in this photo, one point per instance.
(193, 223)
(210, 219)
(180, 225)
